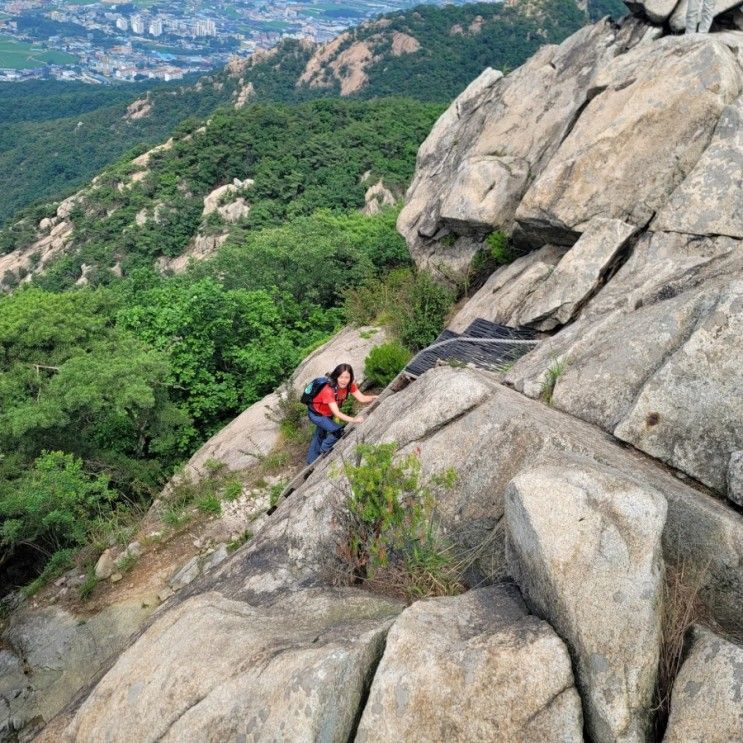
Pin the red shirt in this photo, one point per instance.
(322, 400)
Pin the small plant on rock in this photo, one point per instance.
(394, 543)
(554, 371)
(385, 362)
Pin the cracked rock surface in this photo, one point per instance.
(473, 667)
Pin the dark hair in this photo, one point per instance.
(333, 376)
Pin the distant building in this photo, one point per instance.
(205, 27)
(156, 27)
(137, 24)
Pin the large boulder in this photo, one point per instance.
(584, 546)
(578, 275)
(471, 668)
(484, 152)
(637, 139)
(710, 200)
(676, 397)
(214, 669)
(707, 700)
(490, 436)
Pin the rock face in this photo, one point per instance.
(654, 105)
(481, 156)
(585, 548)
(51, 653)
(297, 667)
(707, 701)
(472, 667)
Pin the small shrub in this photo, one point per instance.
(393, 543)
(127, 562)
(275, 461)
(60, 561)
(88, 585)
(682, 607)
(275, 493)
(385, 362)
(235, 544)
(500, 250)
(292, 415)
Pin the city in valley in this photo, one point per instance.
(151, 39)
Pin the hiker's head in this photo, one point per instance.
(342, 375)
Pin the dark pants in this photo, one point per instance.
(326, 434)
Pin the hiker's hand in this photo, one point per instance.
(358, 419)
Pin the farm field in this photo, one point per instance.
(19, 55)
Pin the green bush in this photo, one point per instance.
(410, 302)
(385, 362)
(55, 506)
(393, 541)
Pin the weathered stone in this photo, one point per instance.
(213, 200)
(54, 654)
(490, 444)
(295, 670)
(106, 564)
(707, 700)
(472, 668)
(376, 198)
(218, 556)
(186, 574)
(483, 153)
(584, 545)
(503, 295)
(710, 199)
(675, 397)
(637, 140)
(557, 299)
(735, 477)
(689, 412)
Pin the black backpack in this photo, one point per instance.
(313, 388)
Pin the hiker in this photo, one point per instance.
(699, 15)
(323, 409)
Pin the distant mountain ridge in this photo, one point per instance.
(428, 53)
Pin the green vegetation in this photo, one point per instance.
(393, 542)
(409, 301)
(385, 362)
(64, 133)
(20, 55)
(554, 371)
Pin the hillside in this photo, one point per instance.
(56, 136)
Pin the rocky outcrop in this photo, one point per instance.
(584, 545)
(226, 202)
(472, 667)
(50, 654)
(483, 153)
(139, 109)
(376, 198)
(653, 104)
(298, 667)
(199, 249)
(707, 702)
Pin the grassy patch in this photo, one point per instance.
(554, 371)
(20, 55)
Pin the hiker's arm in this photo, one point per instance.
(361, 397)
(335, 410)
